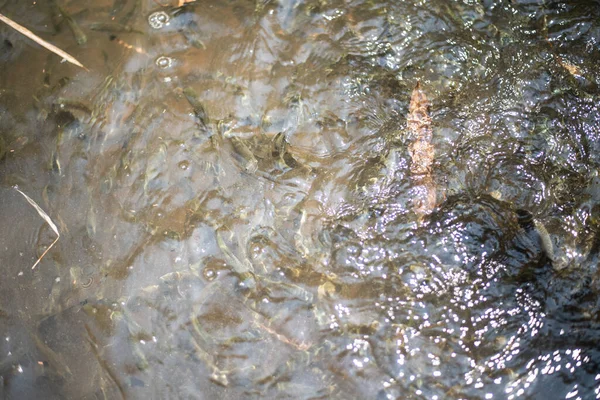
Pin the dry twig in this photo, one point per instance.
(421, 151)
(40, 41)
(46, 218)
(284, 339)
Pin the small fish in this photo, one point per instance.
(280, 151)
(537, 232)
(113, 27)
(55, 16)
(245, 155)
(133, 11)
(240, 267)
(80, 36)
(279, 145)
(191, 33)
(117, 7)
(72, 105)
(3, 147)
(199, 111)
(284, 157)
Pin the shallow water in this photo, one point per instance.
(232, 184)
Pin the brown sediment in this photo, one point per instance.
(421, 151)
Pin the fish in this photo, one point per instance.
(199, 110)
(244, 155)
(117, 7)
(113, 27)
(78, 34)
(537, 232)
(133, 11)
(421, 151)
(280, 152)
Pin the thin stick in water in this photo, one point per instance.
(40, 41)
(46, 218)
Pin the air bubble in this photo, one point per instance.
(209, 273)
(163, 62)
(158, 19)
(184, 165)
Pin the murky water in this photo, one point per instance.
(240, 200)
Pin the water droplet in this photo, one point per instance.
(158, 19)
(163, 62)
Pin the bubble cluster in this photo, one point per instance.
(158, 19)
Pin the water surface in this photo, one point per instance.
(232, 184)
